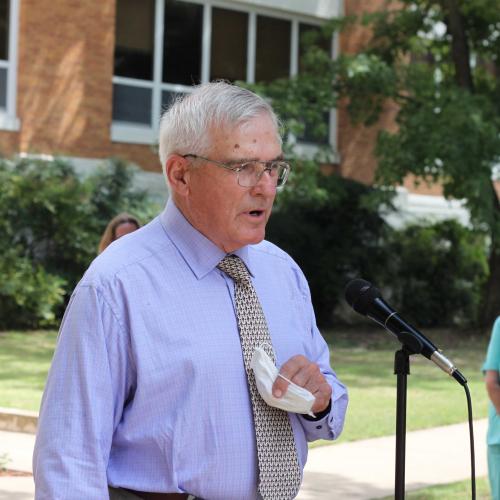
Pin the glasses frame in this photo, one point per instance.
(239, 166)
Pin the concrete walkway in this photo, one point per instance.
(364, 470)
(361, 470)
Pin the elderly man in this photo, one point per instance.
(152, 392)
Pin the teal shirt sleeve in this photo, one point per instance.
(492, 362)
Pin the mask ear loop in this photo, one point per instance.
(271, 349)
(287, 379)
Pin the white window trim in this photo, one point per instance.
(138, 134)
(158, 53)
(413, 207)
(8, 117)
(133, 134)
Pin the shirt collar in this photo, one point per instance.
(200, 254)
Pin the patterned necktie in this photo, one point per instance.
(279, 469)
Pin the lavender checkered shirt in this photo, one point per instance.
(147, 389)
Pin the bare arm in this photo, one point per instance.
(493, 388)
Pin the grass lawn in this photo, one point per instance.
(363, 359)
(452, 491)
(24, 362)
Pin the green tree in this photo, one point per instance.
(439, 61)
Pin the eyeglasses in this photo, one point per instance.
(248, 173)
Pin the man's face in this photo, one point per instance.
(229, 215)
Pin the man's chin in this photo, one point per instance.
(253, 237)
(257, 238)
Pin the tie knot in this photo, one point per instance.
(234, 267)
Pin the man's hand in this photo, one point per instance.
(305, 374)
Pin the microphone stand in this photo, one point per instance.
(402, 370)
(411, 345)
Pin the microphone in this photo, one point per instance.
(366, 299)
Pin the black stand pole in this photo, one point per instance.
(402, 370)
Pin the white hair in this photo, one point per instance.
(185, 127)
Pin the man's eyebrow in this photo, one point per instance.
(245, 160)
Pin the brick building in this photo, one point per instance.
(87, 79)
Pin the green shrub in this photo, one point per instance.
(432, 273)
(29, 296)
(437, 273)
(45, 213)
(333, 238)
(51, 221)
(112, 191)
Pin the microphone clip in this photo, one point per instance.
(411, 344)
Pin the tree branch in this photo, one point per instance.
(459, 45)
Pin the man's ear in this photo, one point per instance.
(177, 170)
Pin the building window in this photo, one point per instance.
(229, 60)
(163, 47)
(272, 55)
(9, 16)
(182, 42)
(134, 44)
(4, 51)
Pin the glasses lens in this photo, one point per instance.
(282, 173)
(250, 173)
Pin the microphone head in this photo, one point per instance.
(360, 294)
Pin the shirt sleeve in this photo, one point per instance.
(83, 401)
(331, 425)
(492, 361)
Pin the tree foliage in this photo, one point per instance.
(50, 224)
(438, 60)
(333, 238)
(455, 265)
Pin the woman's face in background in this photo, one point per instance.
(124, 228)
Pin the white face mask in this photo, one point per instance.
(296, 399)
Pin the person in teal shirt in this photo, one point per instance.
(491, 369)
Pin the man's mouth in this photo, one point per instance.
(256, 213)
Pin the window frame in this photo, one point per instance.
(129, 132)
(8, 116)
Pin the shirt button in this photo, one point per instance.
(319, 427)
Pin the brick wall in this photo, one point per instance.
(356, 142)
(64, 95)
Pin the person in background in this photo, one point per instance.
(491, 369)
(153, 392)
(118, 226)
